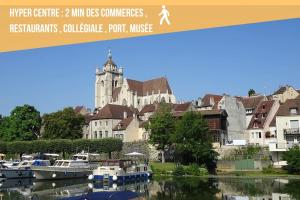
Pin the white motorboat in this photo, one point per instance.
(23, 169)
(63, 169)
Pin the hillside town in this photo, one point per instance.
(123, 107)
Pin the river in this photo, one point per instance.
(160, 188)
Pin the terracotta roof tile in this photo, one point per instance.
(154, 85)
(183, 107)
(284, 109)
(111, 111)
(77, 109)
(252, 102)
(122, 125)
(260, 114)
(206, 100)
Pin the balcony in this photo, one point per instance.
(274, 146)
(291, 131)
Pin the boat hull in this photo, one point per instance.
(56, 174)
(122, 178)
(16, 173)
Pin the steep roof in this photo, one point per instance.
(78, 109)
(154, 85)
(251, 102)
(212, 112)
(122, 125)
(206, 100)
(281, 90)
(111, 111)
(260, 114)
(284, 109)
(175, 107)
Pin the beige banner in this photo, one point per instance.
(18, 27)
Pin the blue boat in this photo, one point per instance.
(122, 195)
(121, 171)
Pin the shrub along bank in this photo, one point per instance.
(180, 170)
(106, 145)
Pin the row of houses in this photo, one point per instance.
(123, 107)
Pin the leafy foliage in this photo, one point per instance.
(24, 123)
(64, 124)
(162, 126)
(62, 146)
(179, 171)
(251, 92)
(193, 138)
(293, 160)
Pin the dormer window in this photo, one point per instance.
(264, 107)
(293, 111)
(255, 125)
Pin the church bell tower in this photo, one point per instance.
(107, 79)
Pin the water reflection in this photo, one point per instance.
(158, 189)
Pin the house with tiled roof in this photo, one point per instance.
(288, 129)
(260, 131)
(176, 109)
(208, 102)
(112, 88)
(236, 120)
(250, 104)
(284, 93)
(103, 122)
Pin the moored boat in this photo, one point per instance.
(63, 169)
(120, 171)
(23, 169)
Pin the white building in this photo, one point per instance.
(260, 130)
(288, 129)
(112, 88)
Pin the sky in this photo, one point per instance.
(229, 60)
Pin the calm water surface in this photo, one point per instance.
(162, 188)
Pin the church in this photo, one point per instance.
(112, 88)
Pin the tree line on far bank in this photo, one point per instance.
(25, 124)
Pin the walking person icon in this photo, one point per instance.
(164, 15)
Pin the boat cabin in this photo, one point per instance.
(70, 163)
(92, 157)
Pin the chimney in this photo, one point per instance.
(125, 115)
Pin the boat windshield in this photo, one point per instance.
(121, 163)
(58, 163)
(65, 164)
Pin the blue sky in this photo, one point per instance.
(228, 60)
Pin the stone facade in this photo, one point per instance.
(284, 93)
(112, 88)
(236, 120)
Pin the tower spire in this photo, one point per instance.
(109, 56)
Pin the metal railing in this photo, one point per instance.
(291, 131)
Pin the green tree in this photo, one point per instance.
(251, 92)
(194, 138)
(24, 123)
(293, 160)
(64, 124)
(162, 127)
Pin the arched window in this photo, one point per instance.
(163, 100)
(124, 103)
(116, 83)
(102, 83)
